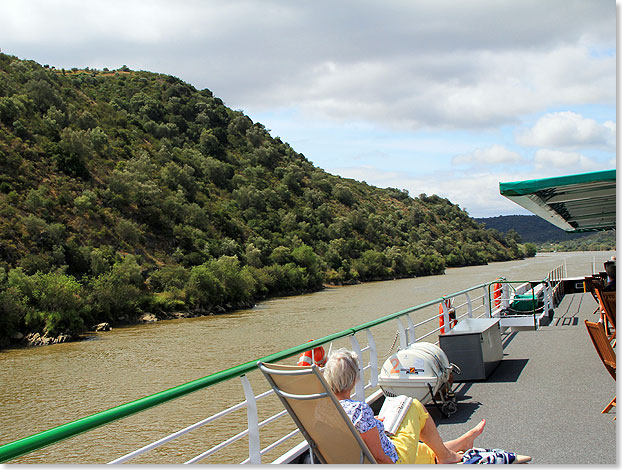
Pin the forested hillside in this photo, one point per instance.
(123, 193)
(548, 237)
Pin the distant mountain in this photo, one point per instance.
(533, 229)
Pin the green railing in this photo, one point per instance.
(43, 439)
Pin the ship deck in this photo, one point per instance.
(546, 396)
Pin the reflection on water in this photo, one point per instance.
(48, 386)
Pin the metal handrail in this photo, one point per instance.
(43, 439)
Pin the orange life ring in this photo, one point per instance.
(315, 356)
(441, 317)
(496, 294)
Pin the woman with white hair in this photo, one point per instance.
(342, 373)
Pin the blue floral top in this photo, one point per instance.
(363, 419)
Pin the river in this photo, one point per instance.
(47, 386)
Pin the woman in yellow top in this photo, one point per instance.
(342, 373)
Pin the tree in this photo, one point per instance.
(12, 312)
(203, 288)
(530, 250)
(513, 235)
(343, 194)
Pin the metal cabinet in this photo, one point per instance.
(474, 345)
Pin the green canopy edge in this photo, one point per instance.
(521, 188)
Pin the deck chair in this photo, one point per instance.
(605, 352)
(315, 409)
(592, 283)
(607, 301)
(320, 417)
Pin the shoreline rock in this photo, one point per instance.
(147, 318)
(36, 339)
(105, 326)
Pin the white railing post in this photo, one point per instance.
(469, 305)
(487, 301)
(373, 359)
(445, 316)
(254, 447)
(403, 334)
(548, 303)
(505, 295)
(359, 388)
(411, 328)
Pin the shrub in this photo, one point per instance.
(371, 265)
(166, 302)
(281, 255)
(129, 231)
(204, 289)
(86, 202)
(50, 303)
(59, 305)
(101, 260)
(116, 295)
(343, 194)
(288, 278)
(305, 257)
(238, 283)
(12, 312)
(112, 299)
(168, 278)
(530, 250)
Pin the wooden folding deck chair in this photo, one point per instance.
(318, 414)
(592, 283)
(607, 301)
(605, 352)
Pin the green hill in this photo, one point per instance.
(125, 192)
(531, 228)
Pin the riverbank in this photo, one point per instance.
(35, 339)
(22, 339)
(45, 387)
(27, 339)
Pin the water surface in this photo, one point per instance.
(47, 386)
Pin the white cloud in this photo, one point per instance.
(430, 64)
(447, 89)
(569, 130)
(477, 193)
(391, 67)
(494, 155)
(553, 160)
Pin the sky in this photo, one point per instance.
(432, 96)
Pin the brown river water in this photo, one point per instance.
(47, 386)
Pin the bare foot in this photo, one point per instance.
(451, 457)
(469, 436)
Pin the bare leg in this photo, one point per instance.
(465, 441)
(430, 436)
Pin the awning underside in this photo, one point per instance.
(574, 203)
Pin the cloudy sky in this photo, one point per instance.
(433, 96)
